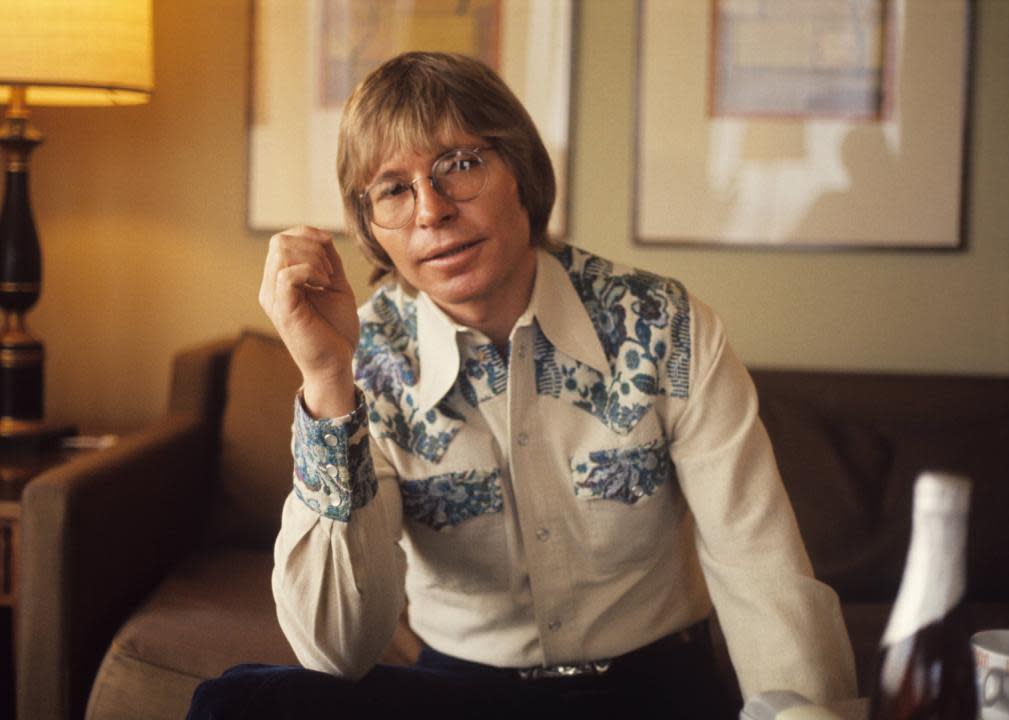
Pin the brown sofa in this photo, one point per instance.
(146, 566)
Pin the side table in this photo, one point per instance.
(20, 461)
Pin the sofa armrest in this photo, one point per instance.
(98, 534)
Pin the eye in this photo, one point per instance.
(459, 162)
(389, 190)
(464, 164)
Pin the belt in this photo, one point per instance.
(597, 667)
(696, 632)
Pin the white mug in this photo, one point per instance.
(991, 660)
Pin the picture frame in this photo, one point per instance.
(307, 55)
(879, 165)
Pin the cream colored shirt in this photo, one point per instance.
(597, 486)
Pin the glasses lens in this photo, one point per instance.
(460, 175)
(391, 203)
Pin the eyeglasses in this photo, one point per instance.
(458, 175)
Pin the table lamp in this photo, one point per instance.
(52, 52)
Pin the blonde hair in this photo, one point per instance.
(411, 101)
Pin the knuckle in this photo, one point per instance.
(284, 275)
(277, 244)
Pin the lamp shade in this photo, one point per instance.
(76, 52)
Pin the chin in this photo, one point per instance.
(457, 295)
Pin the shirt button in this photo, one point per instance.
(554, 625)
(523, 439)
(521, 352)
(543, 534)
(330, 439)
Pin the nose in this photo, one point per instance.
(433, 208)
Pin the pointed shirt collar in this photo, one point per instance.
(554, 304)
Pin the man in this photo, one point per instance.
(557, 459)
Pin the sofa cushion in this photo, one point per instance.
(255, 462)
(212, 613)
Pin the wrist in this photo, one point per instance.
(330, 398)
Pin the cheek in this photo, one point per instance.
(387, 244)
(395, 250)
(510, 210)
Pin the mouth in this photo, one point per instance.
(450, 252)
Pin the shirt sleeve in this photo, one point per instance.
(338, 572)
(783, 628)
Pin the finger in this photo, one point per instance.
(307, 236)
(308, 231)
(295, 247)
(329, 254)
(339, 272)
(271, 267)
(292, 284)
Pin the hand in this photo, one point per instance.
(307, 297)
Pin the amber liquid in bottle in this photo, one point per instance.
(926, 669)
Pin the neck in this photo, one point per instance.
(493, 315)
(491, 318)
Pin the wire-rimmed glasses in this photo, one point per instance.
(458, 175)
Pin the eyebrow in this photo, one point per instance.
(391, 173)
(388, 175)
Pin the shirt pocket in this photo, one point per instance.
(625, 475)
(450, 499)
(625, 498)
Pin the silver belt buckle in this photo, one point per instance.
(597, 667)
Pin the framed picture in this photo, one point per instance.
(802, 123)
(307, 56)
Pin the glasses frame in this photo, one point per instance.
(365, 197)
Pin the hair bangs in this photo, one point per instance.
(412, 120)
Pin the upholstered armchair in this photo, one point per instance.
(147, 566)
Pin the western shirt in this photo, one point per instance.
(597, 484)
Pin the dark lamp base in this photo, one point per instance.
(22, 359)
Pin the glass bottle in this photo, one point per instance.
(927, 669)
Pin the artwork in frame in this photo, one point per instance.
(802, 123)
(307, 56)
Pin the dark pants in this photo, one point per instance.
(667, 679)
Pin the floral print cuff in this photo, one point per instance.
(333, 470)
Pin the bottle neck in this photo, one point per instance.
(934, 578)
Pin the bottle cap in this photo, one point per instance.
(940, 491)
